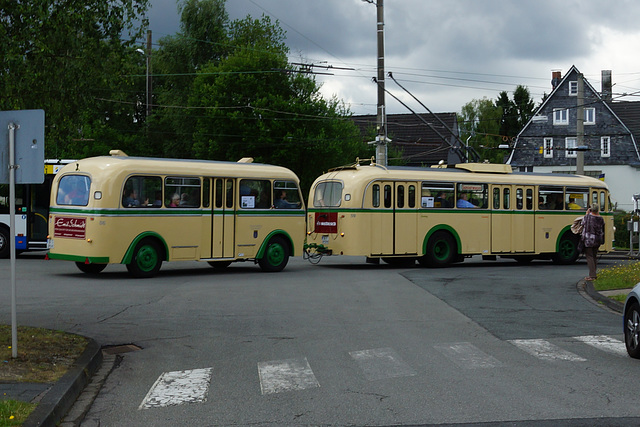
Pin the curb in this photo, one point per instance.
(60, 398)
(599, 298)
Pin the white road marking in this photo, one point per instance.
(605, 343)
(467, 355)
(544, 350)
(284, 375)
(178, 387)
(381, 363)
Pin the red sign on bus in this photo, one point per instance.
(70, 227)
(326, 222)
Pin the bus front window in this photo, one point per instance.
(73, 190)
(328, 194)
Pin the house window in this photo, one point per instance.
(605, 146)
(569, 145)
(573, 88)
(589, 116)
(547, 149)
(560, 116)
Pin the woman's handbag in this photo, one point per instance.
(577, 225)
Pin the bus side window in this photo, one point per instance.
(400, 196)
(219, 194)
(496, 198)
(412, 196)
(254, 193)
(286, 195)
(375, 196)
(229, 202)
(387, 196)
(529, 199)
(206, 196)
(506, 199)
(519, 197)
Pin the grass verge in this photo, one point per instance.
(44, 356)
(622, 276)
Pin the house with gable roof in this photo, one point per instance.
(548, 142)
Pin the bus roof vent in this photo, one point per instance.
(246, 160)
(485, 167)
(119, 153)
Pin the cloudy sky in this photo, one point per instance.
(449, 52)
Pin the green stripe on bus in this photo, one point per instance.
(78, 258)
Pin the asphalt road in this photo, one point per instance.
(341, 343)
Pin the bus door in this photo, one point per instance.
(394, 223)
(501, 219)
(223, 219)
(405, 219)
(522, 223)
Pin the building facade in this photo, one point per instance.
(549, 142)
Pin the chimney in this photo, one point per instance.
(606, 85)
(556, 76)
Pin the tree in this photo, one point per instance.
(479, 122)
(515, 113)
(69, 59)
(253, 104)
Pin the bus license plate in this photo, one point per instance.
(325, 240)
(49, 243)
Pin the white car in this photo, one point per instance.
(631, 322)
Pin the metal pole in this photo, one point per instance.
(12, 238)
(580, 126)
(381, 138)
(149, 87)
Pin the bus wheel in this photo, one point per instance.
(567, 250)
(146, 260)
(5, 244)
(90, 268)
(276, 255)
(441, 250)
(219, 265)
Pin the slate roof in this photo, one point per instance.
(419, 143)
(629, 113)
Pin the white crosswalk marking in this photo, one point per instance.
(178, 387)
(468, 356)
(381, 363)
(603, 342)
(284, 375)
(543, 349)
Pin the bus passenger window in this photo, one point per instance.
(182, 192)
(327, 194)
(254, 194)
(219, 193)
(576, 198)
(437, 195)
(286, 195)
(496, 198)
(73, 190)
(412, 196)
(142, 192)
(229, 200)
(506, 199)
(400, 196)
(387, 196)
(552, 198)
(519, 197)
(529, 199)
(206, 196)
(472, 196)
(375, 196)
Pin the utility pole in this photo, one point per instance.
(381, 122)
(149, 87)
(580, 127)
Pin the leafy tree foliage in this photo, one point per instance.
(488, 124)
(69, 59)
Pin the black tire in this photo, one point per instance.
(90, 268)
(276, 255)
(219, 265)
(567, 249)
(5, 243)
(146, 259)
(632, 330)
(441, 250)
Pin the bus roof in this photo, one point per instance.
(483, 172)
(149, 165)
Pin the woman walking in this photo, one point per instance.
(592, 238)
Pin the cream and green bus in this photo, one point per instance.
(443, 214)
(143, 211)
